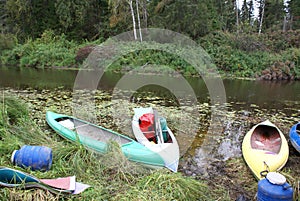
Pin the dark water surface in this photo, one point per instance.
(261, 93)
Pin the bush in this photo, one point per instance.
(246, 55)
(49, 50)
(7, 42)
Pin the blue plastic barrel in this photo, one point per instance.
(33, 157)
(274, 188)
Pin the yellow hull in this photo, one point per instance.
(260, 160)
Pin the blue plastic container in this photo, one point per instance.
(163, 124)
(33, 157)
(274, 188)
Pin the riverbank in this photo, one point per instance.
(242, 55)
(224, 177)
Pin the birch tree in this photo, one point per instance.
(261, 13)
(237, 15)
(133, 19)
(139, 20)
(121, 8)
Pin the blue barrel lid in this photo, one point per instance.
(276, 178)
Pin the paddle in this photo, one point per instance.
(157, 128)
(14, 178)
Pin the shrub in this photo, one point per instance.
(49, 50)
(7, 42)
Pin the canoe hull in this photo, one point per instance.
(295, 136)
(98, 141)
(260, 159)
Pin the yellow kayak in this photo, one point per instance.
(265, 149)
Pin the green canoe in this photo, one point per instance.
(96, 138)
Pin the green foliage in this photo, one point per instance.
(12, 110)
(293, 55)
(49, 50)
(242, 55)
(90, 19)
(167, 57)
(245, 55)
(294, 7)
(7, 42)
(187, 17)
(278, 41)
(76, 19)
(148, 57)
(71, 12)
(165, 186)
(30, 18)
(273, 15)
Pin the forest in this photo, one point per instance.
(245, 38)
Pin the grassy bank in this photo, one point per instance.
(111, 176)
(242, 55)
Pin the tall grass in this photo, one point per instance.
(111, 176)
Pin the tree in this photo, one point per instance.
(194, 18)
(237, 13)
(30, 17)
(251, 15)
(274, 14)
(226, 14)
(294, 12)
(244, 16)
(3, 16)
(121, 9)
(78, 19)
(247, 16)
(261, 14)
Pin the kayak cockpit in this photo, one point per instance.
(266, 138)
(298, 129)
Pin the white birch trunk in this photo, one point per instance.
(139, 21)
(262, 17)
(237, 15)
(133, 20)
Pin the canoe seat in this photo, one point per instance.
(67, 123)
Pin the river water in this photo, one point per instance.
(262, 93)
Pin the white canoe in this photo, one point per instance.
(165, 143)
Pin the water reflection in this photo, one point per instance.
(262, 93)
